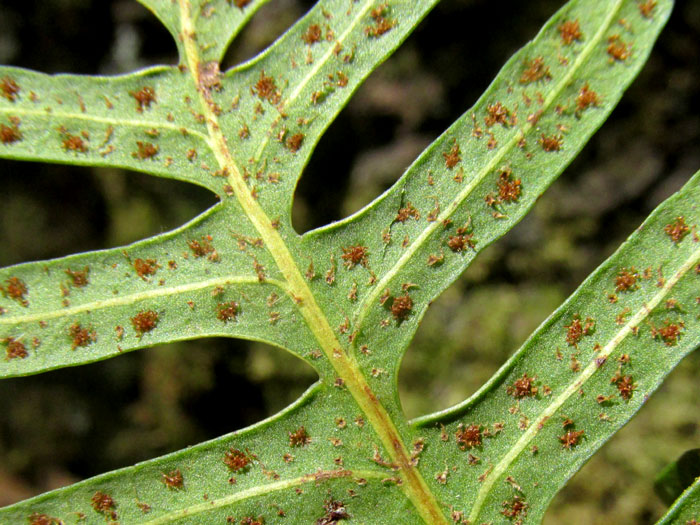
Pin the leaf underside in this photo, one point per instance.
(347, 298)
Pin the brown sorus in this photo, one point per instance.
(353, 255)
(14, 348)
(617, 49)
(9, 134)
(312, 34)
(145, 321)
(173, 479)
(401, 307)
(586, 97)
(9, 88)
(227, 311)
(407, 212)
(677, 230)
(508, 187)
(646, 8)
(452, 157)
(570, 31)
(81, 336)
(104, 504)
(74, 143)
(550, 143)
(266, 89)
(237, 460)
(15, 288)
(144, 97)
(294, 142)
(496, 114)
(468, 437)
(145, 267)
(299, 437)
(571, 438)
(626, 279)
(43, 519)
(523, 387)
(535, 70)
(146, 150)
(79, 278)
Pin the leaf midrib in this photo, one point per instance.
(414, 486)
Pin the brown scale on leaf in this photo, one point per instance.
(625, 385)
(570, 32)
(173, 479)
(81, 336)
(146, 150)
(468, 437)
(586, 97)
(497, 114)
(515, 509)
(401, 307)
(312, 34)
(203, 248)
(145, 267)
(617, 49)
(576, 330)
(144, 97)
(523, 387)
(677, 230)
(104, 504)
(294, 142)
(237, 460)
(646, 8)
(299, 437)
(461, 241)
(9, 88)
(335, 512)
(227, 311)
(74, 143)
(43, 519)
(14, 348)
(626, 280)
(382, 24)
(15, 288)
(453, 156)
(670, 333)
(10, 134)
(508, 187)
(571, 438)
(407, 212)
(266, 89)
(550, 143)
(354, 255)
(535, 70)
(144, 321)
(79, 278)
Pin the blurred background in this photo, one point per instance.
(70, 424)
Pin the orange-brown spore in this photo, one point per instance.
(299, 438)
(15, 348)
(15, 288)
(523, 387)
(647, 7)
(586, 97)
(626, 280)
(173, 479)
(145, 150)
(382, 24)
(104, 504)
(9, 88)
(677, 230)
(294, 142)
(81, 336)
(266, 89)
(237, 460)
(509, 187)
(354, 255)
(669, 333)
(79, 278)
(570, 32)
(571, 438)
(453, 156)
(618, 49)
(144, 97)
(10, 134)
(74, 143)
(535, 70)
(576, 330)
(312, 34)
(37, 518)
(550, 143)
(496, 114)
(145, 267)
(145, 321)
(227, 311)
(468, 437)
(401, 307)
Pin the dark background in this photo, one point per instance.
(70, 424)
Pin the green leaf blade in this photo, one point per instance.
(587, 383)
(686, 510)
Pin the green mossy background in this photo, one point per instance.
(63, 426)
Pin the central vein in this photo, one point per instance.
(413, 485)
